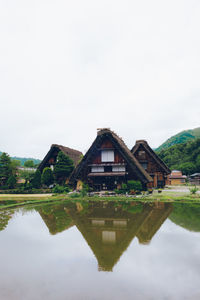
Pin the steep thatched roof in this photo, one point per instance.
(150, 151)
(75, 155)
(122, 148)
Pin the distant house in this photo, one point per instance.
(152, 164)
(51, 157)
(108, 163)
(177, 178)
(27, 169)
(24, 169)
(195, 179)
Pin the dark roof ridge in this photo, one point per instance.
(101, 131)
(141, 142)
(67, 148)
(75, 155)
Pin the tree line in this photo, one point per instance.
(184, 157)
(10, 173)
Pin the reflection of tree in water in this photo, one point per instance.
(186, 215)
(108, 227)
(55, 217)
(5, 216)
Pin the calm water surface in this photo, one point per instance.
(91, 250)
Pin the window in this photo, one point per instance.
(98, 222)
(97, 169)
(109, 237)
(107, 155)
(118, 169)
(144, 165)
(120, 223)
(141, 153)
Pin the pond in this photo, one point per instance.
(100, 250)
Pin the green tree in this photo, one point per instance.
(11, 182)
(187, 168)
(26, 175)
(47, 176)
(5, 168)
(63, 167)
(198, 162)
(14, 166)
(36, 181)
(29, 164)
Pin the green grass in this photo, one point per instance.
(7, 201)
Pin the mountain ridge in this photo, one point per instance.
(179, 138)
(23, 159)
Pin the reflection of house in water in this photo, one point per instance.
(109, 227)
(5, 216)
(153, 222)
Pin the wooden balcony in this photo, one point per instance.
(106, 174)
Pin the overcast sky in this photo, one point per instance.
(70, 67)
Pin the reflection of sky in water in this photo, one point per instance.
(37, 265)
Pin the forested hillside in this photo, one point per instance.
(181, 137)
(184, 157)
(23, 159)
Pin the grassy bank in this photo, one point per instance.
(8, 201)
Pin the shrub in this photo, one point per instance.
(123, 188)
(25, 191)
(85, 190)
(59, 189)
(193, 190)
(131, 187)
(75, 195)
(134, 185)
(118, 191)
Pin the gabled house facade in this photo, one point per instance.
(152, 164)
(108, 163)
(51, 157)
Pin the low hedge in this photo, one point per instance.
(27, 191)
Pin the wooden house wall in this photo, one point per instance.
(153, 168)
(107, 144)
(51, 160)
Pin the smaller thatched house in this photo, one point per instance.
(51, 157)
(152, 164)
